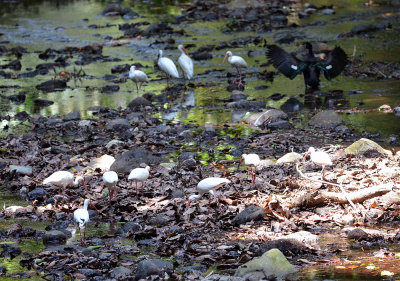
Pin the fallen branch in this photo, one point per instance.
(317, 197)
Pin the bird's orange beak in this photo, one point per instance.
(183, 48)
(305, 156)
(225, 58)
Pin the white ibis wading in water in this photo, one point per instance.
(238, 63)
(62, 179)
(186, 63)
(167, 66)
(251, 160)
(320, 158)
(110, 180)
(81, 217)
(139, 174)
(137, 76)
(207, 185)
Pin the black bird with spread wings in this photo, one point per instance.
(310, 65)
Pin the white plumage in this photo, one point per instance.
(238, 63)
(207, 185)
(81, 217)
(167, 66)
(110, 180)
(252, 160)
(62, 179)
(137, 76)
(320, 158)
(186, 63)
(139, 174)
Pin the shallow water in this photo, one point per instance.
(57, 25)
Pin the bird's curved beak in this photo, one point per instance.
(305, 156)
(183, 48)
(225, 58)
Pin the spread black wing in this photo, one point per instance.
(334, 63)
(283, 61)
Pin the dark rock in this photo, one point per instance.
(138, 103)
(21, 116)
(14, 65)
(248, 214)
(10, 250)
(289, 247)
(54, 237)
(128, 227)
(88, 272)
(68, 249)
(238, 95)
(146, 243)
(251, 105)
(58, 225)
(38, 194)
(174, 230)
(363, 28)
(73, 115)
(128, 14)
(119, 124)
(342, 129)
(276, 96)
(120, 68)
(40, 102)
(133, 158)
(52, 85)
(185, 156)
(292, 105)
(189, 164)
(112, 10)
(160, 220)
(120, 272)
(18, 99)
(357, 234)
(354, 92)
(110, 88)
(327, 119)
(3, 270)
(281, 124)
(201, 55)
(153, 267)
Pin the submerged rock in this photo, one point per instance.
(270, 115)
(327, 119)
(52, 85)
(73, 115)
(54, 237)
(272, 264)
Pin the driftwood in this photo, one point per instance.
(318, 197)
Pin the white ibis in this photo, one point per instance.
(251, 160)
(320, 158)
(139, 174)
(167, 66)
(207, 185)
(137, 76)
(64, 179)
(186, 63)
(110, 180)
(81, 217)
(238, 63)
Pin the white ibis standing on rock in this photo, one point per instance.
(186, 63)
(207, 185)
(139, 174)
(64, 179)
(238, 63)
(81, 217)
(251, 160)
(167, 65)
(320, 158)
(137, 76)
(110, 179)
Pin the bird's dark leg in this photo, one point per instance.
(253, 175)
(137, 193)
(140, 85)
(167, 79)
(137, 89)
(323, 172)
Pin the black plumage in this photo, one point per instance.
(310, 65)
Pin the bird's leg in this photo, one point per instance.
(137, 193)
(187, 205)
(253, 175)
(167, 79)
(137, 90)
(323, 172)
(111, 194)
(140, 86)
(240, 77)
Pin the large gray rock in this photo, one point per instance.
(38, 194)
(130, 226)
(272, 264)
(119, 124)
(52, 85)
(54, 237)
(152, 267)
(120, 272)
(327, 119)
(363, 145)
(249, 214)
(132, 159)
(270, 115)
(291, 157)
(25, 170)
(104, 162)
(73, 115)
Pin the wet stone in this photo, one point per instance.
(54, 237)
(52, 85)
(342, 129)
(327, 119)
(139, 102)
(121, 68)
(120, 272)
(281, 124)
(24, 170)
(357, 234)
(160, 220)
(18, 99)
(73, 115)
(119, 124)
(110, 88)
(22, 116)
(153, 267)
(38, 194)
(292, 105)
(41, 102)
(129, 227)
(249, 214)
(133, 158)
(10, 251)
(238, 95)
